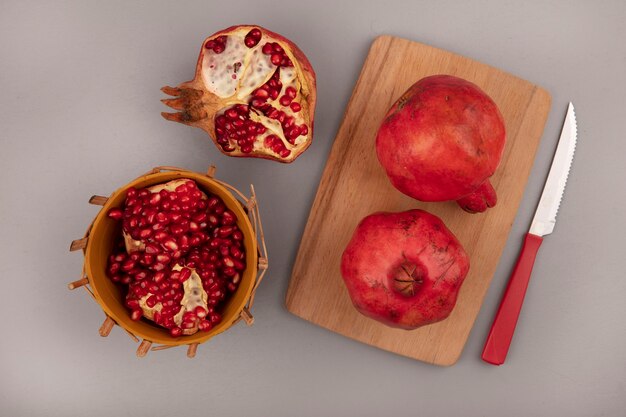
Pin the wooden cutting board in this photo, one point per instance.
(354, 185)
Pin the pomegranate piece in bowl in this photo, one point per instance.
(442, 140)
(404, 269)
(180, 255)
(254, 93)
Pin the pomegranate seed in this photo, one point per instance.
(160, 236)
(175, 276)
(295, 107)
(159, 277)
(285, 101)
(219, 48)
(236, 252)
(225, 231)
(132, 303)
(125, 280)
(229, 272)
(215, 318)
(159, 266)
(136, 314)
(176, 332)
(276, 59)
(189, 324)
(189, 316)
(151, 301)
(200, 312)
(185, 273)
(267, 48)
(171, 245)
(115, 213)
(163, 257)
(260, 93)
(145, 233)
(304, 129)
(155, 198)
(290, 92)
(204, 325)
(237, 235)
(128, 265)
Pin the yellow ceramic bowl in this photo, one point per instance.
(105, 232)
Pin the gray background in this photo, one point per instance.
(79, 115)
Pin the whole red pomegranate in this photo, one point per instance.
(404, 269)
(442, 140)
(253, 93)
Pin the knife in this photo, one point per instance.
(501, 333)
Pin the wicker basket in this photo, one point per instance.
(99, 240)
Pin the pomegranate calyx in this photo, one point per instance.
(480, 200)
(407, 279)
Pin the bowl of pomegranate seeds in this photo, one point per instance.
(174, 258)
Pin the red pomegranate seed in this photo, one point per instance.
(237, 235)
(236, 252)
(276, 59)
(151, 301)
(176, 332)
(204, 325)
(171, 245)
(163, 258)
(215, 318)
(267, 48)
(159, 266)
(132, 303)
(128, 265)
(185, 273)
(200, 312)
(145, 233)
(136, 314)
(155, 198)
(295, 107)
(151, 248)
(226, 231)
(115, 213)
(175, 276)
(159, 277)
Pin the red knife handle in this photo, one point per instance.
(501, 333)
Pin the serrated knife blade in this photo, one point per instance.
(545, 216)
(503, 327)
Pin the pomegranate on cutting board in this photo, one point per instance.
(355, 185)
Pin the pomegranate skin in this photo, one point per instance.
(404, 269)
(441, 141)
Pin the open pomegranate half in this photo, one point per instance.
(180, 254)
(253, 93)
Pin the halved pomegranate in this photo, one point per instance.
(180, 254)
(253, 93)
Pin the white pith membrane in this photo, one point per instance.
(194, 294)
(234, 74)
